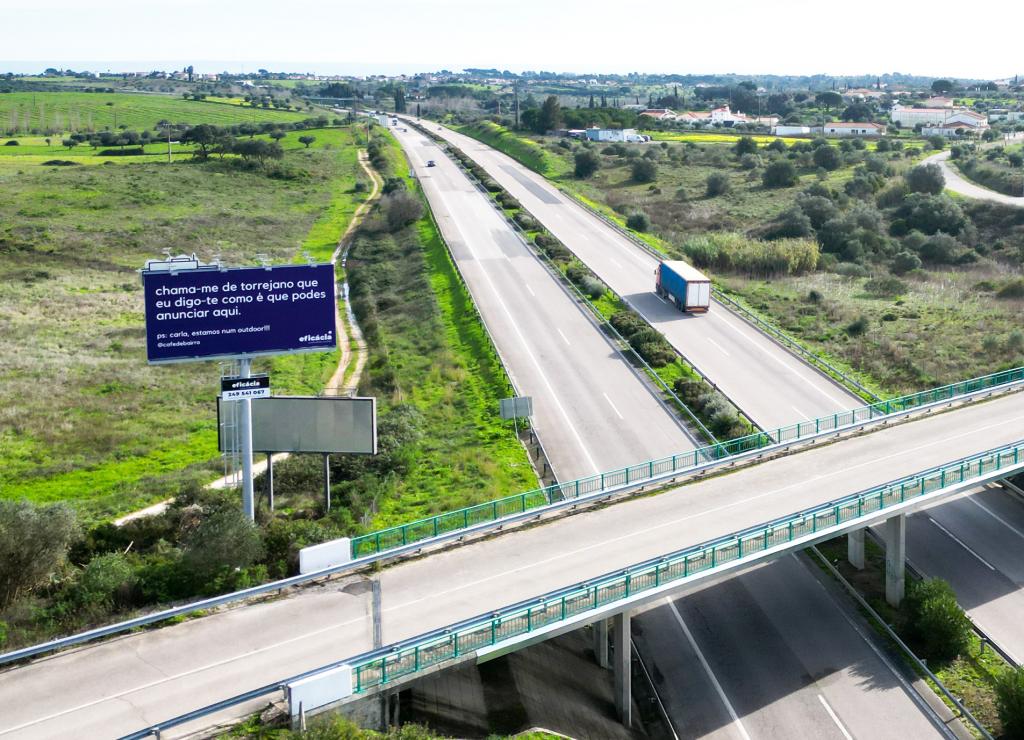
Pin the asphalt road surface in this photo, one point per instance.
(121, 685)
(962, 186)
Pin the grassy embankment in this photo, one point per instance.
(27, 112)
(429, 351)
(85, 419)
(946, 323)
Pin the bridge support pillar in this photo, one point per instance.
(895, 530)
(855, 548)
(601, 643)
(623, 674)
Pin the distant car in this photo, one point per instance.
(431, 163)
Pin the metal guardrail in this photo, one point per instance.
(505, 624)
(384, 665)
(603, 323)
(408, 538)
(422, 529)
(877, 618)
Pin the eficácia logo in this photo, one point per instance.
(328, 337)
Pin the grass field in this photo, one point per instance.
(429, 350)
(25, 112)
(85, 419)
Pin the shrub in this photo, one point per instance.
(526, 221)
(34, 542)
(935, 621)
(750, 161)
(104, 583)
(745, 145)
(817, 208)
(905, 262)
(12, 142)
(392, 184)
(858, 327)
(717, 184)
(926, 178)
(885, 286)
(1012, 289)
(941, 249)
(1009, 688)
(644, 170)
(400, 209)
(932, 213)
(587, 163)
(586, 281)
(638, 221)
(779, 174)
(224, 540)
(792, 222)
(1015, 341)
(828, 158)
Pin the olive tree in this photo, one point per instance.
(34, 542)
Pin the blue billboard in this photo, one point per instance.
(212, 313)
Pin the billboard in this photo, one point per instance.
(207, 314)
(307, 424)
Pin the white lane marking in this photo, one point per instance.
(796, 368)
(532, 566)
(615, 263)
(996, 516)
(718, 346)
(564, 338)
(526, 347)
(611, 404)
(962, 544)
(799, 412)
(707, 669)
(835, 718)
(531, 290)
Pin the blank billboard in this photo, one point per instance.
(308, 424)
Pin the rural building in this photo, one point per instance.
(1002, 114)
(863, 93)
(939, 102)
(951, 130)
(614, 134)
(969, 117)
(910, 117)
(791, 130)
(853, 128)
(660, 114)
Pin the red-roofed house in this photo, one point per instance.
(660, 114)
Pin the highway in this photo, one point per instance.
(771, 385)
(580, 386)
(121, 685)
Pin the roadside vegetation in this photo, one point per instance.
(854, 250)
(998, 168)
(437, 379)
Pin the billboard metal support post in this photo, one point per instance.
(248, 507)
(327, 482)
(270, 481)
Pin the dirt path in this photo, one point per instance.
(353, 337)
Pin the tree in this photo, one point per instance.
(828, 158)
(307, 140)
(858, 112)
(277, 135)
(779, 174)
(941, 87)
(587, 163)
(926, 178)
(745, 145)
(205, 137)
(932, 213)
(34, 542)
(717, 184)
(399, 99)
(644, 170)
(550, 117)
(189, 70)
(401, 208)
(904, 262)
(829, 99)
(258, 150)
(69, 143)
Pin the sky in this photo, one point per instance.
(941, 38)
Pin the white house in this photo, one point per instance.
(951, 130)
(969, 117)
(939, 102)
(853, 128)
(660, 114)
(614, 134)
(791, 130)
(910, 117)
(725, 117)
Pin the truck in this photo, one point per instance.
(684, 285)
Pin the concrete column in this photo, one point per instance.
(623, 677)
(601, 643)
(895, 558)
(855, 548)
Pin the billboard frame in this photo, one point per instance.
(335, 399)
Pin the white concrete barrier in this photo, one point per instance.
(307, 695)
(325, 555)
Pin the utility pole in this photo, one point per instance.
(516, 89)
(168, 144)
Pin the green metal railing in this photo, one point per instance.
(423, 529)
(519, 620)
